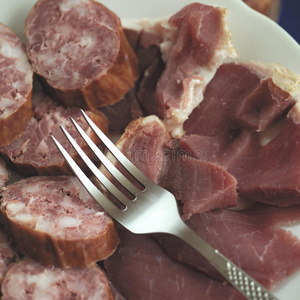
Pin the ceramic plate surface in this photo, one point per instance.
(255, 37)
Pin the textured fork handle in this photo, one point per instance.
(248, 286)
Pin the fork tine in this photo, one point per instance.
(125, 162)
(100, 176)
(106, 162)
(107, 205)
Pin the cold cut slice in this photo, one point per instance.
(31, 280)
(262, 93)
(200, 185)
(56, 222)
(80, 52)
(142, 270)
(258, 167)
(15, 88)
(201, 44)
(252, 239)
(34, 153)
(147, 144)
(273, 175)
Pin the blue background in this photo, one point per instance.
(289, 18)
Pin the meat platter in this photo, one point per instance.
(270, 44)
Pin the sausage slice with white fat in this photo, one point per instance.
(15, 86)
(34, 281)
(80, 52)
(34, 153)
(56, 222)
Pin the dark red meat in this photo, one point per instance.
(200, 185)
(140, 269)
(273, 175)
(265, 172)
(253, 102)
(252, 239)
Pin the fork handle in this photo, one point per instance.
(244, 283)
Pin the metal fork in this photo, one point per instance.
(153, 210)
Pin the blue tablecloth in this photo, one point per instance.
(289, 18)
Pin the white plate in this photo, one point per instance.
(254, 36)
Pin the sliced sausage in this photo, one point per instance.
(56, 222)
(80, 52)
(34, 152)
(15, 86)
(34, 281)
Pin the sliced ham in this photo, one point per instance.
(199, 185)
(265, 172)
(140, 269)
(261, 100)
(262, 93)
(201, 44)
(4, 175)
(15, 88)
(34, 281)
(8, 254)
(55, 221)
(80, 52)
(34, 153)
(231, 150)
(252, 239)
(273, 175)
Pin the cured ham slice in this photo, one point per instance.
(16, 86)
(252, 239)
(201, 43)
(273, 175)
(200, 185)
(55, 221)
(4, 175)
(262, 93)
(258, 167)
(140, 269)
(144, 143)
(34, 281)
(233, 151)
(147, 144)
(8, 254)
(34, 153)
(193, 43)
(80, 52)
